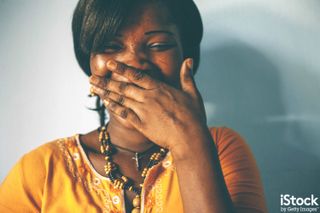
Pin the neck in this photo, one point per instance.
(129, 138)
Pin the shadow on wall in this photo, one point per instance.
(242, 90)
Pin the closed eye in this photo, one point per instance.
(112, 48)
(161, 46)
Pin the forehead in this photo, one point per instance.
(152, 15)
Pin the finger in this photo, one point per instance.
(139, 77)
(97, 81)
(123, 112)
(186, 77)
(100, 92)
(120, 87)
(120, 99)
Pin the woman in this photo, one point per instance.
(155, 153)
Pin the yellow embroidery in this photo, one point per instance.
(79, 171)
(158, 196)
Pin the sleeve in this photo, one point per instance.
(21, 190)
(240, 171)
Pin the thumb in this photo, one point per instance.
(186, 77)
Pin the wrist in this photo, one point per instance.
(192, 145)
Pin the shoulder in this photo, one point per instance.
(231, 147)
(227, 138)
(36, 165)
(48, 151)
(240, 170)
(222, 131)
(23, 187)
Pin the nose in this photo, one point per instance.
(135, 57)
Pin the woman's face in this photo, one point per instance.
(148, 41)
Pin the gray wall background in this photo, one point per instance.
(259, 74)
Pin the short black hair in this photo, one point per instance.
(94, 21)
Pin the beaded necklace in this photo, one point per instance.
(137, 155)
(113, 173)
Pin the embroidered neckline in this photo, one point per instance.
(167, 158)
(73, 165)
(86, 159)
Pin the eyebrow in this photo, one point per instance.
(153, 32)
(159, 31)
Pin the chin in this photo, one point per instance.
(120, 121)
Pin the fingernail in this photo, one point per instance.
(112, 64)
(92, 94)
(106, 102)
(92, 88)
(95, 89)
(190, 63)
(93, 80)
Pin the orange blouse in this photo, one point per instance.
(58, 177)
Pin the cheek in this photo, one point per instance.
(170, 64)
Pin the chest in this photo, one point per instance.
(128, 166)
(91, 192)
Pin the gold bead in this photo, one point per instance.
(135, 210)
(102, 149)
(144, 173)
(124, 178)
(136, 201)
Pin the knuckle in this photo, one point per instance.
(100, 83)
(121, 67)
(138, 75)
(112, 105)
(123, 86)
(97, 81)
(121, 100)
(106, 84)
(106, 93)
(124, 113)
